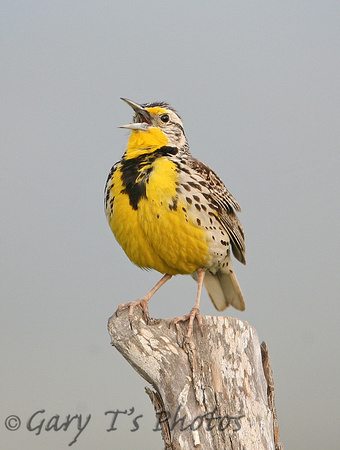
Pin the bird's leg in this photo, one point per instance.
(195, 312)
(143, 302)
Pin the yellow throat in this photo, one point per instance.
(145, 142)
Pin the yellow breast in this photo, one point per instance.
(153, 226)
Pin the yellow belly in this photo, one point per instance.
(158, 234)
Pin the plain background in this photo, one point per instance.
(257, 85)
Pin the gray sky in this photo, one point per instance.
(257, 85)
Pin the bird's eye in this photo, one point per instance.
(165, 118)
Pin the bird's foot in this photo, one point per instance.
(142, 302)
(194, 313)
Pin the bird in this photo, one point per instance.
(170, 212)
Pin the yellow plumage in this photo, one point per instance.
(155, 236)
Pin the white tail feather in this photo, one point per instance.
(224, 290)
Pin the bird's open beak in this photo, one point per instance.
(142, 117)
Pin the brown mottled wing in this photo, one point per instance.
(224, 204)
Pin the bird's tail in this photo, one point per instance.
(224, 290)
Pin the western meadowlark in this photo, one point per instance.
(172, 213)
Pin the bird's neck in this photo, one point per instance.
(145, 142)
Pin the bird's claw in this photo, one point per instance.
(131, 306)
(194, 313)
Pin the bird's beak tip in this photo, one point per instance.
(138, 126)
(135, 106)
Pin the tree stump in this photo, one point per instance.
(214, 392)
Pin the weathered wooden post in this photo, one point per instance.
(215, 392)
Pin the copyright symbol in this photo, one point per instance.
(12, 423)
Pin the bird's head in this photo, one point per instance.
(156, 124)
